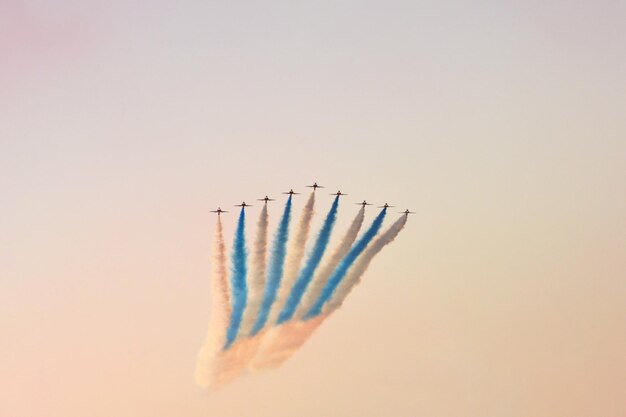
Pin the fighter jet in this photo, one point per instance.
(291, 192)
(219, 211)
(315, 186)
(385, 206)
(407, 212)
(364, 203)
(243, 204)
(266, 199)
(338, 193)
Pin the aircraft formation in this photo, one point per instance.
(315, 186)
(274, 294)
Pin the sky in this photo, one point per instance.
(501, 124)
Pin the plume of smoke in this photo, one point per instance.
(294, 258)
(238, 280)
(360, 266)
(220, 311)
(321, 277)
(283, 341)
(309, 268)
(275, 271)
(257, 279)
(344, 265)
(232, 362)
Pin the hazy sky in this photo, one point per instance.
(500, 123)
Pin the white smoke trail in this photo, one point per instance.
(321, 277)
(358, 269)
(230, 363)
(294, 259)
(257, 278)
(281, 342)
(220, 313)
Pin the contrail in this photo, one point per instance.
(221, 309)
(321, 277)
(257, 279)
(238, 280)
(294, 258)
(344, 265)
(309, 268)
(275, 272)
(360, 266)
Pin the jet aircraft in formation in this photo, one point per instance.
(291, 192)
(315, 187)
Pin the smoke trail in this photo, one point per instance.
(321, 277)
(294, 258)
(221, 273)
(342, 268)
(283, 341)
(360, 266)
(275, 271)
(232, 362)
(238, 280)
(309, 268)
(221, 309)
(257, 280)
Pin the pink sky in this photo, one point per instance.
(501, 125)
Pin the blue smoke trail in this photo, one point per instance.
(275, 272)
(342, 268)
(307, 272)
(238, 281)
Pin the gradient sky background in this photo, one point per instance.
(500, 123)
